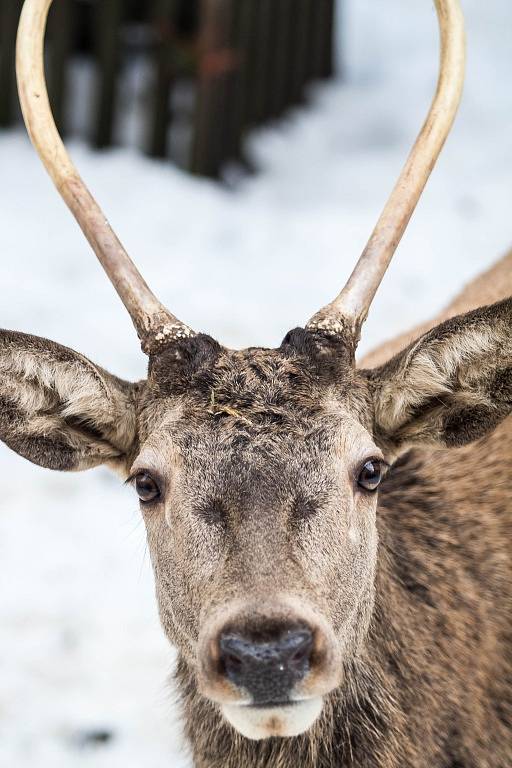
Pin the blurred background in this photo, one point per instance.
(242, 149)
(183, 79)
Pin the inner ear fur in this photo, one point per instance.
(58, 409)
(451, 386)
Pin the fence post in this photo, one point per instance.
(60, 34)
(263, 51)
(9, 15)
(159, 118)
(281, 56)
(249, 56)
(216, 60)
(298, 51)
(108, 19)
(235, 82)
(235, 117)
(328, 22)
(321, 44)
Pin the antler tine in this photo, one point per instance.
(155, 325)
(349, 309)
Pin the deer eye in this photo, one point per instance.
(146, 487)
(371, 474)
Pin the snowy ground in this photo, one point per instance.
(80, 648)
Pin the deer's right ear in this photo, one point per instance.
(59, 410)
(450, 387)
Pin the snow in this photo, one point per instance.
(80, 646)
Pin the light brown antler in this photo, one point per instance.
(155, 325)
(349, 309)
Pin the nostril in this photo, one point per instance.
(302, 654)
(298, 648)
(233, 655)
(232, 661)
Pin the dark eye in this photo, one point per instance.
(371, 475)
(146, 487)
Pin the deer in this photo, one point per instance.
(329, 539)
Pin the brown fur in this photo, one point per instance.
(58, 409)
(256, 454)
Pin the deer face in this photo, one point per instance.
(257, 470)
(263, 542)
(258, 474)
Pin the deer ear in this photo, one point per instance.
(59, 410)
(451, 386)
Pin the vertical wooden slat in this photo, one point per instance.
(242, 42)
(201, 161)
(250, 58)
(311, 19)
(231, 90)
(328, 24)
(271, 63)
(255, 63)
(281, 57)
(291, 43)
(235, 103)
(60, 34)
(163, 57)
(226, 79)
(263, 55)
(9, 15)
(216, 60)
(315, 41)
(108, 20)
(297, 71)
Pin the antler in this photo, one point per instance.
(349, 309)
(155, 325)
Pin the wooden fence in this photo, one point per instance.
(244, 62)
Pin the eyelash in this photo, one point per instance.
(142, 471)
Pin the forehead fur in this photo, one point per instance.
(306, 378)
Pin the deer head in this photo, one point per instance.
(257, 470)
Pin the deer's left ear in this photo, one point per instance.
(450, 387)
(61, 411)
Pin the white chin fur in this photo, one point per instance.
(262, 723)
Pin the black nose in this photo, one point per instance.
(267, 667)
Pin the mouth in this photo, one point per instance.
(281, 719)
(272, 704)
